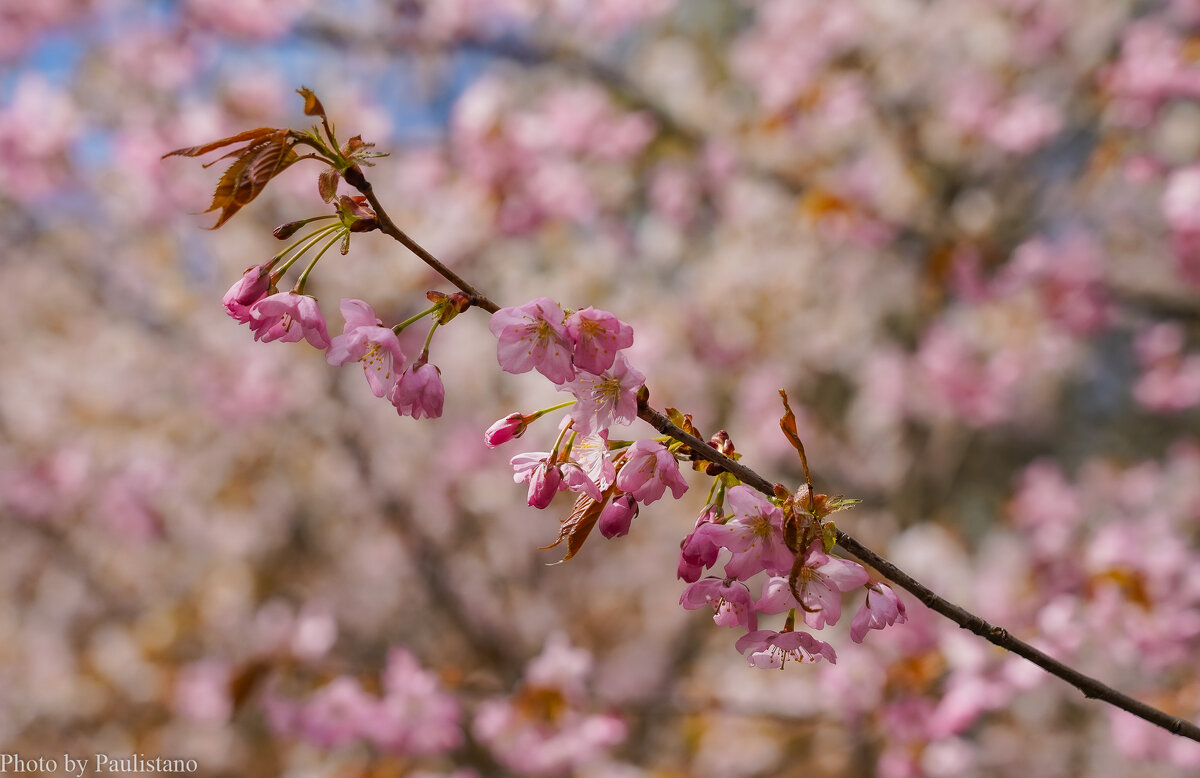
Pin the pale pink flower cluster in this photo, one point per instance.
(256, 19)
(1151, 69)
(412, 715)
(1181, 209)
(39, 123)
(780, 72)
(1068, 277)
(544, 728)
(546, 163)
(26, 23)
(1015, 333)
(1170, 379)
(1017, 124)
(417, 391)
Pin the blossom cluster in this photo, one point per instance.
(580, 352)
(413, 716)
(811, 582)
(291, 316)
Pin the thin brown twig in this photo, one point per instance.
(1090, 687)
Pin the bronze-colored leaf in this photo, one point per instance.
(199, 151)
(249, 174)
(788, 425)
(576, 527)
(312, 106)
(327, 184)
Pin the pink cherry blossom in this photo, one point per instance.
(289, 316)
(881, 610)
(592, 454)
(533, 336)
(697, 552)
(822, 580)
(730, 600)
(418, 392)
(597, 335)
(576, 479)
(649, 469)
(511, 426)
(249, 289)
(544, 478)
(754, 534)
(366, 340)
(617, 516)
(766, 648)
(606, 399)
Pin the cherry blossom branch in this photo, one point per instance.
(998, 636)
(388, 227)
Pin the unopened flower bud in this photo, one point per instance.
(511, 426)
(543, 485)
(617, 516)
(285, 231)
(255, 284)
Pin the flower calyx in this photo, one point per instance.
(448, 305)
(355, 214)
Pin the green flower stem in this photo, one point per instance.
(551, 409)
(303, 279)
(400, 327)
(309, 241)
(570, 445)
(428, 339)
(558, 444)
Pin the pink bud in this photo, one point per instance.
(617, 516)
(543, 485)
(511, 426)
(254, 285)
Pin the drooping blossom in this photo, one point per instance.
(511, 426)
(730, 600)
(616, 517)
(576, 479)
(366, 340)
(534, 468)
(533, 336)
(246, 291)
(767, 649)
(821, 582)
(754, 534)
(883, 608)
(289, 316)
(419, 392)
(605, 399)
(697, 552)
(598, 336)
(649, 469)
